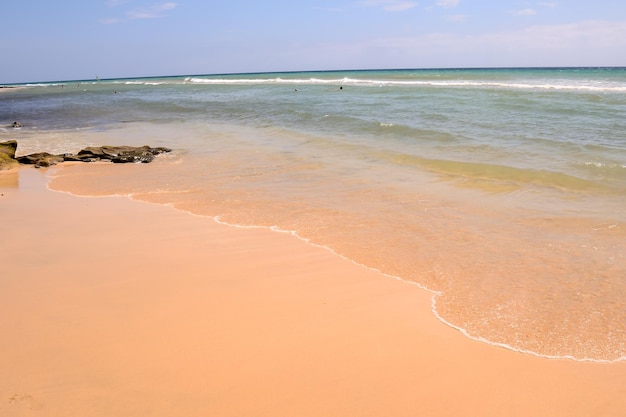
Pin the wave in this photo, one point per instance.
(44, 85)
(566, 85)
(520, 84)
(140, 82)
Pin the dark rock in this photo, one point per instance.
(143, 157)
(7, 154)
(79, 158)
(40, 159)
(116, 154)
(16, 124)
(91, 153)
(120, 154)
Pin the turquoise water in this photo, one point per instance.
(502, 190)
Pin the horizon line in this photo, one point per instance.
(97, 78)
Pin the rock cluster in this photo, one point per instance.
(116, 154)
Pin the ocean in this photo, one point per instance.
(502, 191)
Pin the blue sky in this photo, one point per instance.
(81, 39)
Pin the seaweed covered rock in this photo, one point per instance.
(7, 154)
(116, 154)
(40, 159)
(119, 154)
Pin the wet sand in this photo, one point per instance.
(111, 307)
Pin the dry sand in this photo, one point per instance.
(110, 307)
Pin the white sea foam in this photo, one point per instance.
(44, 85)
(604, 165)
(143, 83)
(509, 347)
(566, 85)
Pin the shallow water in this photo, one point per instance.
(503, 191)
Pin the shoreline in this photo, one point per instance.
(434, 294)
(103, 180)
(176, 314)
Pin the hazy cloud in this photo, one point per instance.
(148, 12)
(448, 3)
(525, 12)
(151, 12)
(546, 44)
(391, 5)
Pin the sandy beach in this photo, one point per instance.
(112, 307)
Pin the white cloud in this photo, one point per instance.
(525, 12)
(391, 5)
(148, 12)
(550, 5)
(401, 6)
(593, 34)
(448, 3)
(587, 43)
(151, 12)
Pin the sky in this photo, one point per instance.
(48, 40)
